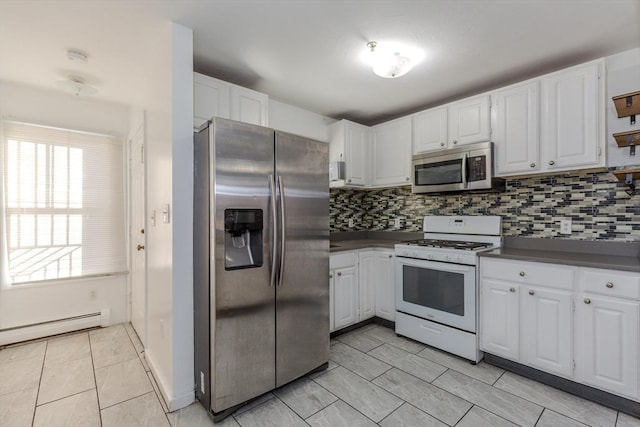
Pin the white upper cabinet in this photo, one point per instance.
(216, 98)
(469, 121)
(349, 142)
(430, 130)
(573, 118)
(249, 106)
(211, 98)
(391, 153)
(515, 113)
(463, 122)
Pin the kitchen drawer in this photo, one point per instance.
(609, 282)
(342, 260)
(532, 273)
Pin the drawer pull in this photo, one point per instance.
(522, 274)
(587, 301)
(531, 292)
(512, 289)
(390, 256)
(339, 273)
(609, 285)
(331, 276)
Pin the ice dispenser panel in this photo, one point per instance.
(242, 238)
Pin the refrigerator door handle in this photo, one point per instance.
(282, 230)
(274, 239)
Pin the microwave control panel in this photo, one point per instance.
(477, 168)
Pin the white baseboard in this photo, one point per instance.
(54, 327)
(173, 402)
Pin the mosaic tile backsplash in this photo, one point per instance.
(598, 205)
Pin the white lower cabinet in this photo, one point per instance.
(547, 329)
(539, 322)
(361, 286)
(608, 335)
(377, 279)
(500, 318)
(343, 271)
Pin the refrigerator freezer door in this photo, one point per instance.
(302, 293)
(242, 300)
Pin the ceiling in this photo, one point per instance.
(307, 52)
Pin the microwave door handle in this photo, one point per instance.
(464, 171)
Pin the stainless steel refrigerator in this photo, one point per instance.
(261, 261)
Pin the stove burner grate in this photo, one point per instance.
(448, 244)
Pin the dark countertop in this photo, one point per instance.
(624, 256)
(350, 241)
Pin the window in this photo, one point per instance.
(63, 203)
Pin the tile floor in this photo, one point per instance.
(100, 378)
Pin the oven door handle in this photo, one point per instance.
(465, 183)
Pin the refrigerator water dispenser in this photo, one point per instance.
(242, 238)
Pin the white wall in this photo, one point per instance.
(166, 95)
(623, 76)
(27, 304)
(289, 118)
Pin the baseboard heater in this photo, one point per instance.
(53, 327)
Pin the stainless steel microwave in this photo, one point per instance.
(465, 168)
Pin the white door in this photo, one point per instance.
(499, 318)
(429, 130)
(469, 121)
(391, 152)
(607, 347)
(516, 128)
(547, 329)
(138, 216)
(345, 297)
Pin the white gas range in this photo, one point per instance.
(436, 282)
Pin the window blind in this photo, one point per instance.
(64, 203)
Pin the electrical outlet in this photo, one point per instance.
(397, 223)
(350, 222)
(565, 226)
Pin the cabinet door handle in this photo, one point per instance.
(408, 178)
(609, 285)
(442, 144)
(349, 180)
(454, 142)
(522, 274)
(587, 301)
(390, 256)
(512, 289)
(331, 276)
(551, 163)
(339, 273)
(531, 292)
(533, 165)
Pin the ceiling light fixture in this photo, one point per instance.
(77, 86)
(391, 60)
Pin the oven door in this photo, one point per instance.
(437, 291)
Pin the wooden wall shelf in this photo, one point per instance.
(627, 105)
(629, 176)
